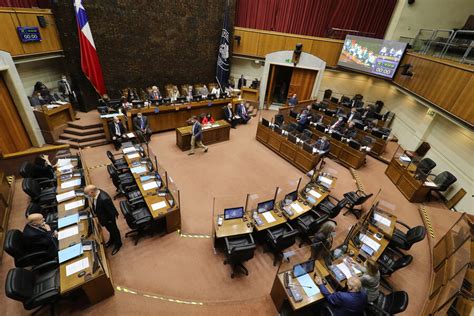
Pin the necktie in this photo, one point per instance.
(141, 123)
(68, 88)
(117, 129)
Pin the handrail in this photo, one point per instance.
(33, 151)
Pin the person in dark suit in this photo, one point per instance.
(242, 113)
(322, 145)
(107, 215)
(117, 132)
(303, 120)
(42, 167)
(140, 125)
(40, 236)
(65, 88)
(350, 131)
(154, 93)
(229, 115)
(354, 115)
(350, 303)
(293, 101)
(242, 82)
(196, 137)
(368, 113)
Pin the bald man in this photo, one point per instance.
(106, 213)
(39, 236)
(350, 303)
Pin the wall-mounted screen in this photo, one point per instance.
(371, 55)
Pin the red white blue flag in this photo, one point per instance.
(89, 59)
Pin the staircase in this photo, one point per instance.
(252, 108)
(83, 135)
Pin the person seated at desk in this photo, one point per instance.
(242, 112)
(322, 145)
(117, 132)
(140, 125)
(204, 91)
(337, 126)
(350, 303)
(350, 131)
(40, 236)
(196, 137)
(303, 120)
(174, 94)
(189, 95)
(229, 115)
(207, 119)
(368, 112)
(131, 95)
(354, 115)
(325, 235)
(154, 94)
(370, 279)
(216, 91)
(293, 101)
(42, 167)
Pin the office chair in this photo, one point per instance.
(280, 238)
(309, 223)
(138, 219)
(293, 114)
(279, 119)
(33, 288)
(50, 213)
(332, 209)
(403, 241)
(45, 196)
(420, 152)
(389, 263)
(17, 247)
(26, 171)
(443, 181)
(239, 249)
(367, 141)
(117, 163)
(306, 135)
(355, 199)
(391, 304)
(425, 166)
(123, 183)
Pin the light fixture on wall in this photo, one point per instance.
(237, 38)
(405, 70)
(430, 112)
(297, 54)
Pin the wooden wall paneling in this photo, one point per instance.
(464, 105)
(9, 41)
(269, 43)
(290, 43)
(248, 43)
(49, 34)
(13, 134)
(327, 50)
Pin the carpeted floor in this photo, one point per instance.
(160, 269)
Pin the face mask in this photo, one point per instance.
(333, 234)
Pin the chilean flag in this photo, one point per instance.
(89, 59)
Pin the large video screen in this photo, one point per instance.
(371, 55)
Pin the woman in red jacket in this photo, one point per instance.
(208, 119)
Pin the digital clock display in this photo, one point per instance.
(29, 34)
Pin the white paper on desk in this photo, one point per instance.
(309, 287)
(430, 184)
(65, 167)
(370, 242)
(269, 217)
(77, 266)
(133, 156)
(159, 205)
(87, 247)
(297, 207)
(404, 158)
(71, 205)
(345, 269)
(382, 220)
(315, 194)
(130, 135)
(325, 180)
(65, 196)
(206, 127)
(71, 183)
(64, 162)
(130, 149)
(68, 232)
(139, 169)
(215, 125)
(149, 185)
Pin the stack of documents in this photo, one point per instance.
(68, 232)
(71, 183)
(159, 205)
(77, 266)
(315, 194)
(133, 155)
(65, 196)
(71, 205)
(139, 169)
(369, 242)
(128, 150)
(326, 181)
(269, 217)
(381, 219)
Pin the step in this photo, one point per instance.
(82, 138)
(81, 132)
(84, 126)
(76, 145)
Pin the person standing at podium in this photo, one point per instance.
(140, 124)
(196, 136)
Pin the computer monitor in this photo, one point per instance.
(335, 100)
(336, 135)
(265, 122)
(211, 96)
(303, 268)
(181, 99)
(114, 104)
(377, 133)
(233, 213)
(359, 124)
(266, 206)
(307, 147)
(166, 100)
(290, 197)
(138, 103)
(354, 144)
(292, 138)
(197, 97)
(293, 114)
(277, 130)
(321, 127)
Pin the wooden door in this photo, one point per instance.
(13, 136)
(302, 81)
(270, 86)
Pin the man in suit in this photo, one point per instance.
(350, 303)
(242, 112)
(107, 215)
(65, 88)
(154, 94)
(242, 82)
(350, 131)
(354, 115)
(293, 101)
(368, 112)
(303, 120)
(140, 125)
(117, 132)
(229, 115)
(322, 145)
(40, 236)
(196, 137)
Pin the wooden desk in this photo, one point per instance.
(215, 133)
(370, 232)
(232, 227)
(168, 117)
(404, 179)
(387, 231)
(52, 122)
(279, 293)
(249, 94)
(105, 119)
(293, 153)
(277, 215)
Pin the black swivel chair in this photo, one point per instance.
(118, 163)
(332, 208)
(309, 223)
(354, 199)
(16, 246)
(26, 171)
(45, 196)
(389, 263)
(33, 288)
(307, 135)
(280, 238)
(424, 167)
(238, 250)
(138, 219)
(279, 119)
(443, 181)
(391, 304)
(404, 241)
(123, 183)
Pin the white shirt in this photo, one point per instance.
(95, 198)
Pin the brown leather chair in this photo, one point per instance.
(420, 152)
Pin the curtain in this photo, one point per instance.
(316, 17)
